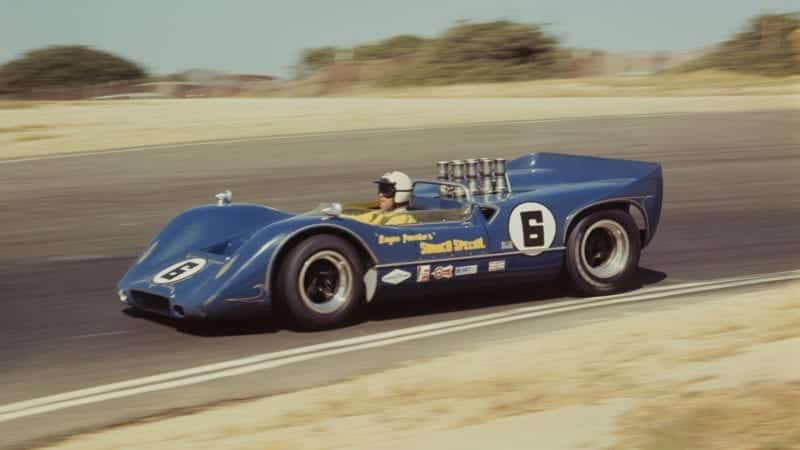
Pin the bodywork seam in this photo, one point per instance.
(633, 200)
(288, 237)
(459, 258)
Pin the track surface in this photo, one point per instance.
(70, 227)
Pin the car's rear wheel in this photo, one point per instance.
(321, 282)
(603, 252)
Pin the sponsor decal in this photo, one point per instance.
(180, 271)
(532, 228)
(388, 240)
(506, 245)
(443, 272)
(396, 276)
(423, 273)
(417, 237)
(433, 248)
(497, 266)
(450, 246)
(463, 246)
(466, 270)
(404, 238)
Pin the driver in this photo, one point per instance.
(394, 194)
(394, 191)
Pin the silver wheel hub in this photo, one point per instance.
(325, 282)
(605, 249)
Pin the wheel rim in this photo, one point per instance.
(325, 282)
(605, 249)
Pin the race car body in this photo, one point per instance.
(536, 217)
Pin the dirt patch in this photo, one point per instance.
(102, 125)
(632, 367)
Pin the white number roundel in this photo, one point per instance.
(531, 227)
(180, 271)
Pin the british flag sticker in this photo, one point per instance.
(423, 273)
(497, 266)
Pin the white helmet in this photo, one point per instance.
(396, 184)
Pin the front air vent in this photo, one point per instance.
(150, 302)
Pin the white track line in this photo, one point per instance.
(266, 361)
(340, 343)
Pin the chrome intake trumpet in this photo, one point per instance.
(472, 176)
(486, 166)
(457, 176)
(500, 175)
(443, 175)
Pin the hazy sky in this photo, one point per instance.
(266, 36)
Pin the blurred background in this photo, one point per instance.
(176, 50)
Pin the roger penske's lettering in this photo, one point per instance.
(404, 238)
(388, 240)
(418, 237)
(451, 246)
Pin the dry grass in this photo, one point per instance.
(712, 353)
(705, 83)
(36, 137)
(102, 125)
(788, 329)
(11, 104)
(499, 388)
(28, 104)
(24, 128)
(25, 133)
(759, 416)
(23, 104)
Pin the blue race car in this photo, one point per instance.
(490, 221)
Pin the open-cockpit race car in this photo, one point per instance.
(533, 218)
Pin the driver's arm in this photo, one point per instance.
(400, 219)
(371, 217)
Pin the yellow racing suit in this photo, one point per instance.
(397, 217)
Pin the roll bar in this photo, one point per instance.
(467, 193)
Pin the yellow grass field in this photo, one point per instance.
(35, 129)
(703, 83)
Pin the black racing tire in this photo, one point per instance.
(321, 283)
(603, 252)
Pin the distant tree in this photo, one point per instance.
(505, 41)
(60, 66)
(766, 46)
(393, 47)
(314, 58)
(488, 51)
(468, 52)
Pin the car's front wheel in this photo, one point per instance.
(321, 282)
(603, 252)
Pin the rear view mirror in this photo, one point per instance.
(334, 210)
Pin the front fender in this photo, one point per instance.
(204, 227)
(246, 276)
(257, 260)
(243, 279)
(237, 283)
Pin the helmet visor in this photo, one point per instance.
(386, 189)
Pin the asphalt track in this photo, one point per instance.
(71, 226)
